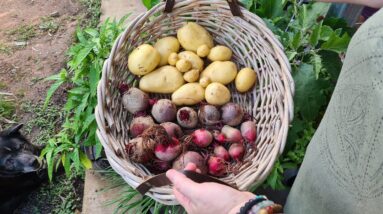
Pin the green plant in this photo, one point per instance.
(7, 107)
(83, 74)
(5, 49)
(23, 32)
(49, 24)
(93, 12)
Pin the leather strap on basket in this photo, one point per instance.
(161, 180)
(234, 7)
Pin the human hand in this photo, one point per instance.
(206, 197)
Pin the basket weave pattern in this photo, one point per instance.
(253, 45)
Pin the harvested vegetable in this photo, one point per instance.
(236, 151)
(222, 72)
(191, 76)
(203, 51)
(135, 100)
(173, 58)
(165, 79)
(202, 138)
(217, 94)
(245, 79)
(209, 115)
(204, 81)
(220, 53)
(221, 152)
(193, 35)
(168, 152)
(165, 47)
(188, 94)
(216, 166)
(219, 137)
(232, 114)
(183, 65)
(231, 134)
(190, 157)
(164, 110)
(249, 131)
(187, 117)
(140, 150)
(140, 124)
(194, 59)
(172, 129)
(143, 60)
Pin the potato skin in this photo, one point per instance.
(192, 35)
(203, 51)
(188, 94)
(191, 76)
(220, 53)
(245, 79)
(165, 46)
(173, 58)
(165, 79)
(143, 60)
(194, 59)
(222, 72)
(217, 94)
(183, 65)
(204, 81)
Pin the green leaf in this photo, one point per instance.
(51, 91)
(85, 161)
(332, 64)
(316, 61)
(336, 43)
(315, 35)
(66, 163)
(271, 9)
(50, 163)
(247, 3)
(309, 14)
(297, 39)
(291, 55)
(326, 32)
(150, 3)
(80, 56)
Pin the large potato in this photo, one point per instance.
(165, 47)
(188, 94)
(143, 60)
(166, 79)
(193, 35)
(217, 94)
(220, 53)
(245, 79)
(222, 72)
(194, 59)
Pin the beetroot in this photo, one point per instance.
(167, 152)
(190, 157)
(135, 100)
(236, 151)
(164, 110)
(249, 131)
(221, 152)
(232, 114)
(217, 166)
(172, 129)
(160, 166)
(232, 134)
(209, 115)
(202, 138)
(187, 117)
(219, 137)
(140, 150)
(140, 124)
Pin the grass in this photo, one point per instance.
(93, 13)
(23, 32)
(5, 49)
(48, 24)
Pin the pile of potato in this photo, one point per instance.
(186, 74)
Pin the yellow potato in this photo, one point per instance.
(217, 94)
(192, 35)
(143, 60)
(220, 53)
(188, 94)
(194, 59)
(165, 79)
(183, 65)
(204, 81)
(222, 72)
(191, 76)
(165, 47)
(203, 51)
(245, 79)
(173, 58)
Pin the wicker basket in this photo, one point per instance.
(253, 45)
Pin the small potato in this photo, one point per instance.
(143, 60)
(173, 58)
(203, 51)
(165, 47)
(245, 79)
(192, 35)
(194, 59)
(188, 94)
(217, 94)
(165, 79)
(222, 72)
(191, 76)
(204, 81)
(220, 53)
(183, 65)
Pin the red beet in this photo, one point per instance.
(173, 129)
(187, 117)
(236, 151)
(221, 152)
(190, 157)
(135, 100)
(231, 134)
(217, 166)
(164, 110)
(249, 131)
(140, 124)
(209, 115)
(219, 137)
(202, 138)
(167, 152)
(232, 114)
(140, 150)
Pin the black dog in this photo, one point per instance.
(21, 170)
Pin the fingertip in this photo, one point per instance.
(171, 173)
(191, 167)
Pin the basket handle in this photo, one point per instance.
(234, 7)
(161, 180)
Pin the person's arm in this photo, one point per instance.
(370, 3)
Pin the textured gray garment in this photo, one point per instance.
(342, 171)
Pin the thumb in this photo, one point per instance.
(183, 184)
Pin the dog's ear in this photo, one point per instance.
(14, 130)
